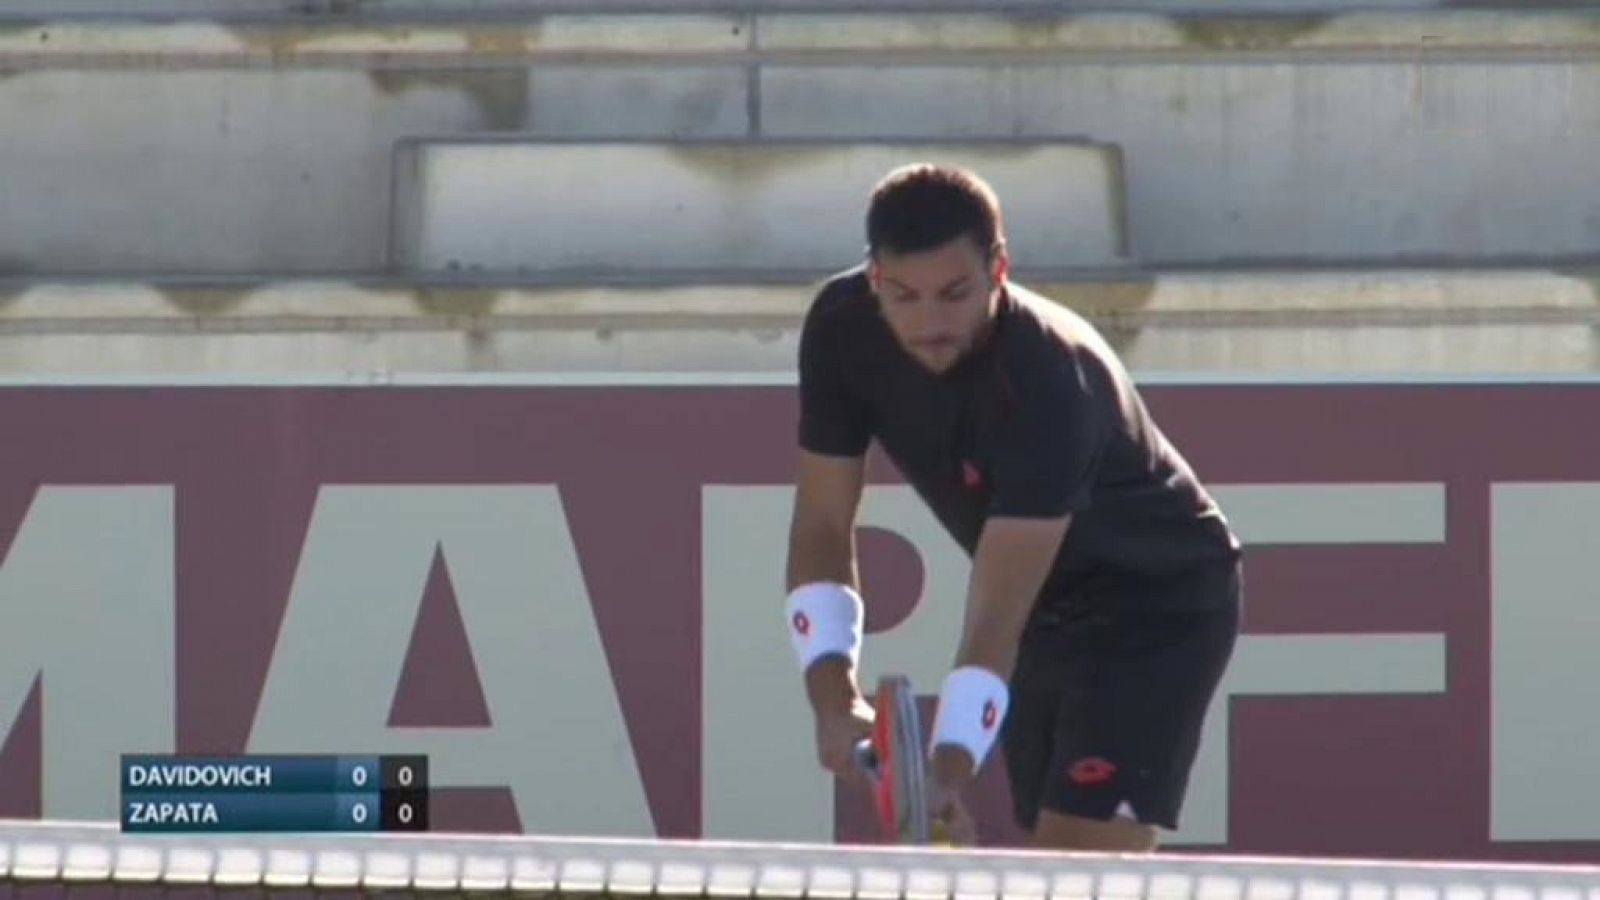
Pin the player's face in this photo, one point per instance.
(939, 302)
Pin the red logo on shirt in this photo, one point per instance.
(970, 476)
(990, 713)
(802, 624)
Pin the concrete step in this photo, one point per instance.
(1296, 324)
(740, 207)
(752, 33)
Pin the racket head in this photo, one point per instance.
(900, 792)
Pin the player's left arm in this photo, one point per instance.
(1045, 454)
(1013, 558)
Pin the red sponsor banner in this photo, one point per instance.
(1403, 773)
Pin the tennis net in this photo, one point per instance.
(71, 855)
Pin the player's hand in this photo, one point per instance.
(838, 732)
(951, 822)
(949, 772)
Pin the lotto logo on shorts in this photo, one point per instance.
(802, 624)
(1092, 770)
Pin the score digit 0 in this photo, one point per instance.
(404, 773)
(357, 812)
(404, 811)
(405, 793)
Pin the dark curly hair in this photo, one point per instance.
(922, 206)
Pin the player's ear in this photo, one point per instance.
(999, 262)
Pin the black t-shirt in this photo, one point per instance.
(1041, 420)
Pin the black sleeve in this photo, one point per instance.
(833, 419)
(1048, 447)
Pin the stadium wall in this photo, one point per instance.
(563, 591)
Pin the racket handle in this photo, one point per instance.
(866, 757)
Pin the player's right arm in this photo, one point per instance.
(823, 609)
(822, 551)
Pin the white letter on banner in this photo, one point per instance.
(86, 606)
(1546, 639)
(1284, 665)
(558, 739)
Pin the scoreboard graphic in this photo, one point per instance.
(279, 793)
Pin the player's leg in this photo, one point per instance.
(1054, 675)
(1135, 696)
(1048, 669)
(1027, 739)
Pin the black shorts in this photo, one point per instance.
(1107, 702)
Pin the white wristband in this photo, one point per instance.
(825, 619)
(972, 704)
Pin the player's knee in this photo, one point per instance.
(1059, 831)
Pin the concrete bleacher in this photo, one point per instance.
(724, 209)
(178, 155)
(1430, 323)
(266, 145)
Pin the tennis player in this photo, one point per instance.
(1106, 584)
